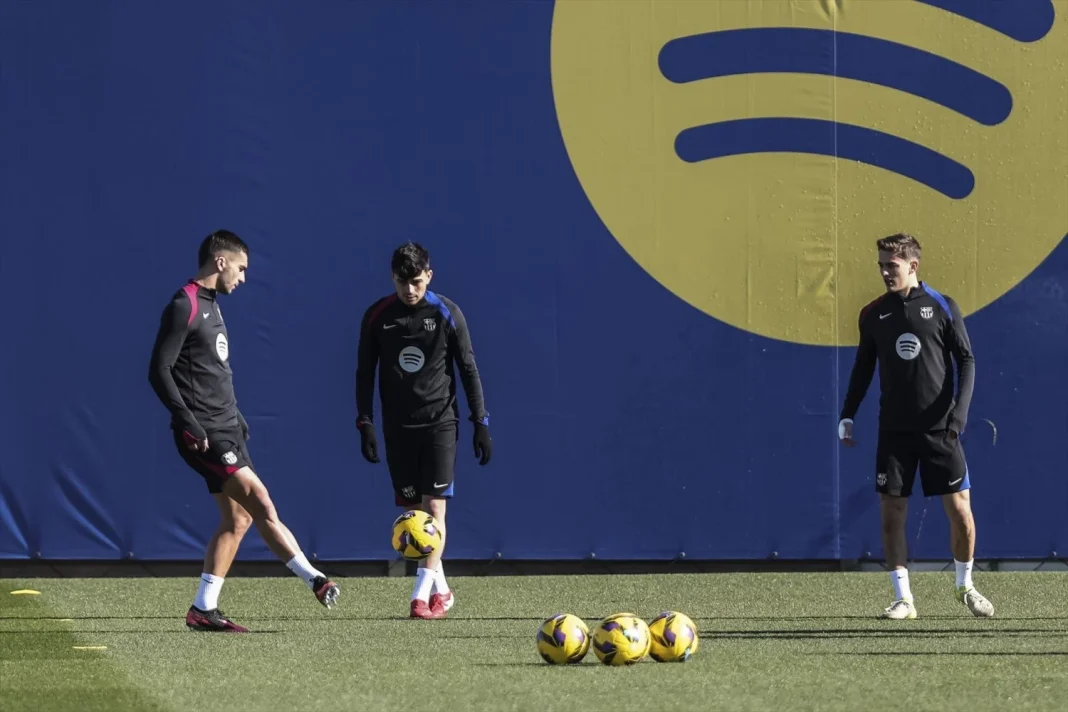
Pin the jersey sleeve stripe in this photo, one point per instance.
(434, 299)
(379, 308)
(191, 290)
(941, 301)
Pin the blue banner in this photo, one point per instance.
(660, 227)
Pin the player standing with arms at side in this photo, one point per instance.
(415, 337)
(915, 333)
(190, 372)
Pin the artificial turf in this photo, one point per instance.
(798, 641)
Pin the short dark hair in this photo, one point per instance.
(409, 260)
(219, 241)
(901, 245)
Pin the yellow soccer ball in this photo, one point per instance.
(416, 535)
(563, 639)
(673, 637)
(621, 639)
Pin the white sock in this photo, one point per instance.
(424, 581)
(900, 580)
(300, 566)
(964, 573)
(208, 593)
(440, 584)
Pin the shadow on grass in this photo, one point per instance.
(952, 654)
(335, 617)
(329, 617)
(40, 633)
(936, 617)
(904, 632)
(586, 664)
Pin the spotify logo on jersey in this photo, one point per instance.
(908, 346)
(411, 359)
(222, 347)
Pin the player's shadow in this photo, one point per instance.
(952, 654)
(586, 665)
(844, 633)
(303, 619)
(87, 618)
(868, 617)
(483, 636)
(332, 618)
(142, 631)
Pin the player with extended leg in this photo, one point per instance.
(415, 337)
(915, 333)
(190, 372)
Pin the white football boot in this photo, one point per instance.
(976, 603)
(901, 609)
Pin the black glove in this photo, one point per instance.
(483, 444)
(368, 441)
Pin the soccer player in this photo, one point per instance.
(915, 334)
(415, 337)
(190, 372)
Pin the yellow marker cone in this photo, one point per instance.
(25, 592)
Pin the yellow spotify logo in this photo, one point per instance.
(747, 154)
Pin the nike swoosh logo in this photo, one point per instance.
(438, 485)
(955, 481)
(389, 326)
(883, 316)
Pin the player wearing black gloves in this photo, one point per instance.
(415, 338)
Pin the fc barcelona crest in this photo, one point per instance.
(926, 312)
(429, 324)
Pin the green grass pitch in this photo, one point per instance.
(797, 641)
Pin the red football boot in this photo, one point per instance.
(212, 621)
(444, 601)
(421, 609)
(326, 591)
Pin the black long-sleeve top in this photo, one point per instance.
(915, 339)
(190, 365)
(416, 349)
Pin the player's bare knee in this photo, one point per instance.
(958, 505)
(246, 488)
(259, 506)
(240, 522)
(435, 506)
(894, 511)
(232, 516)
(894, 505)
(893, 524)
(263, 510)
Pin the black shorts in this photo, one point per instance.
(422, 462)
(226, 455)
(938, 455)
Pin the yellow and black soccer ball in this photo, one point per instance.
(673, 637)
(563, 639)
(621, 639)
(416, 535)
